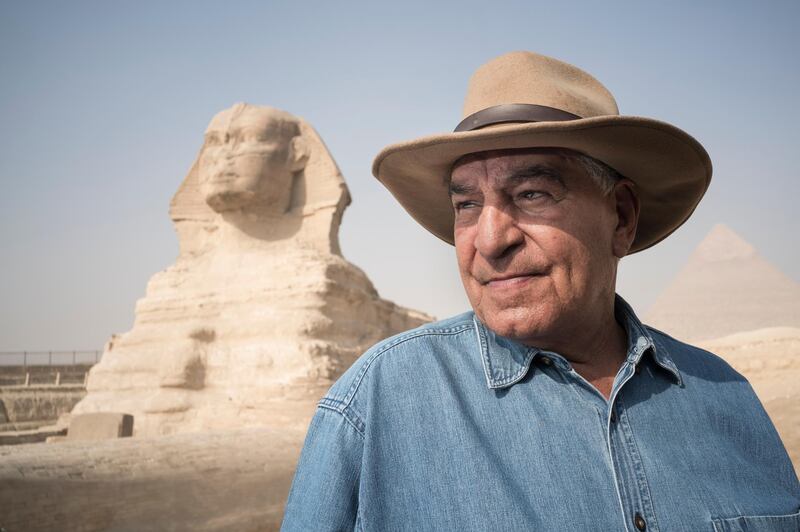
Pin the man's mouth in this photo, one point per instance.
(510, 280)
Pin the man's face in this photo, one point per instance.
(537, 241)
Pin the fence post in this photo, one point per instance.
(27, 378)
(58, 378)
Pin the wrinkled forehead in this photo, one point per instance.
(259, 118)
(504, 161)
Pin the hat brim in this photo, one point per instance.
(670, 168)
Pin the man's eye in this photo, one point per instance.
(463, 205)
(532, 195)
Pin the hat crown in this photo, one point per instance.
(530, 78)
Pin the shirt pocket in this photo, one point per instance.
(759, 523)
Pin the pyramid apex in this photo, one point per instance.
(722, 244)
(726, 287)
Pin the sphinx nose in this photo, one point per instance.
(230, 149)
(228, 140)
(497, 232)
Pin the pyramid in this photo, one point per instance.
(725, 288)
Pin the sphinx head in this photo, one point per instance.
(249, 159)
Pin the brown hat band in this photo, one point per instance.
(513, 112)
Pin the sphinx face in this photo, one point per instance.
(247, 160)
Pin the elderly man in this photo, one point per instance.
(550, 406)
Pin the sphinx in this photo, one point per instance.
(260, 312)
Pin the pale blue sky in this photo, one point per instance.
(104, 106)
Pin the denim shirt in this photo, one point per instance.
(452, 427)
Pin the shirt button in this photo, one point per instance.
(547, 361)
(639, 521)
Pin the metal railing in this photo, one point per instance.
(49, 358)
(41, 380)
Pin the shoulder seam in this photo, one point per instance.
(426, 332)
(343, 411)
(344, 404)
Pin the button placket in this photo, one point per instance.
(631, 483)
(630, 471)
(611, 427)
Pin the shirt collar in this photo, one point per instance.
(506, 362)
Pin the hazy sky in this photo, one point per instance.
(104, 105)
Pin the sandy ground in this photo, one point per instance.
(770, 359)
(227, 481)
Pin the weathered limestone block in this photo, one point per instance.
(260, 312)
(100, 426)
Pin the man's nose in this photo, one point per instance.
(498, 232)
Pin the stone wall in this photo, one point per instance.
(25, 406)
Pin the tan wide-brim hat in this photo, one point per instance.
(523, 100)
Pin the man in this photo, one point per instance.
(550, 407)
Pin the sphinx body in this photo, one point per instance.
(260, 312)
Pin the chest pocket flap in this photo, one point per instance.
(759, 523)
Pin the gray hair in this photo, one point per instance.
(603, 175)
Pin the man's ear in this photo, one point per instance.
(298, 153)
(626, 200)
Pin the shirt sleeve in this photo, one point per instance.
(324, 493)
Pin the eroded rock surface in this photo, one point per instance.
(260, 312)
